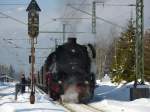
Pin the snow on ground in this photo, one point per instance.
(108, 97)
(115, 98)
(8, 104)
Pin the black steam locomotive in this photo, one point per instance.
(69, 65)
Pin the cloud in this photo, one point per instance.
(20, 9)
(8, 11)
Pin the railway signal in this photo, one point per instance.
(33, 19)
(33, 31)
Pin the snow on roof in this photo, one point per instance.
(6, 76)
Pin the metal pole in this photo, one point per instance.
(142, 40)
(139, 41)
(101, 66)
(56, 44)
(64, 32)
(115, 42)
(94, 18)
(32, 96)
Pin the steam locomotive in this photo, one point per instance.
(70, 65)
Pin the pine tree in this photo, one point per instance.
(123, 65)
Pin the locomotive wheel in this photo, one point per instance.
(92, 93)
(84, 98)
(92, 86)
(87, 96)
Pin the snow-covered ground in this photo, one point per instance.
(8, 104)
(108, 97)
(112, 98)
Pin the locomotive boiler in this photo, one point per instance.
(70, 66)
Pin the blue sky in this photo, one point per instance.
(51, 9)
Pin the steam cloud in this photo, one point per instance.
(71, 95)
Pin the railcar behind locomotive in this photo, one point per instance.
(69, 66)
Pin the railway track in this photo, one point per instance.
(73, 107)
(80, 108)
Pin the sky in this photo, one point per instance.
(51, 9)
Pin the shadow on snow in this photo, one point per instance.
(111, 93)
(43, 109)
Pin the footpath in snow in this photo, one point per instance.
(8, 104)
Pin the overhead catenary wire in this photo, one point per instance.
(83, 2)
(10, 51)
(51, 20)
(75, 13)
(68, 18)
(105, 4)
(11, 4)
(100, 18)
(72, 14)
(16, 20)
(10, 42)
(16, 39)
(3, 17)
(12, 18)
(60, 32)
(20, 62)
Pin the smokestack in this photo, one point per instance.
(72, 40)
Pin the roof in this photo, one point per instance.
(5, 76)
(33, 5)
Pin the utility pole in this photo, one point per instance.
(115, 42)
(98, 59)
(64, 32)
(33, 31)
(94, 17)
(56, 43)
(139, 41)
(101, 65)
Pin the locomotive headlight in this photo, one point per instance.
(86, 82)
(60, 82)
